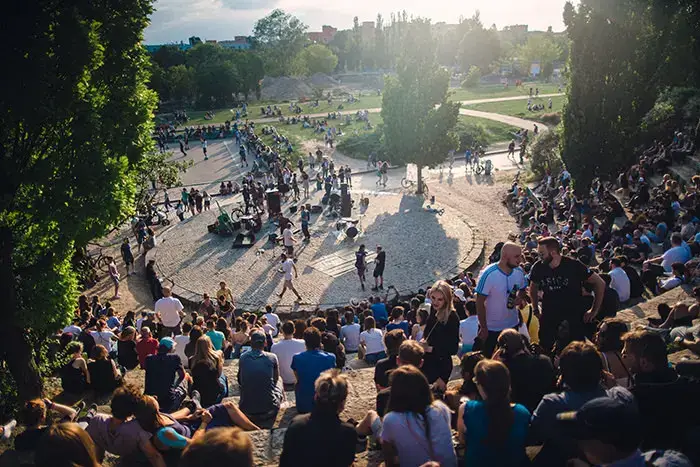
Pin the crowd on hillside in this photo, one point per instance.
(545, 360)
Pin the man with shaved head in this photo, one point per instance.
(500, 287)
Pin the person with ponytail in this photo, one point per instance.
(493, 428)
(441, 335)
(415, 429)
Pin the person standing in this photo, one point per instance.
(169, 309)
(287, 267)
(204, 148)
(498, 290)
(180, 211)
(348, 175)
(187, 140)
(242, 153)
(166, 200)
(127, 256)
(114, 275)
(361, 264)
(288, 239)
(305, 218)
(561, 280)
(182, 147)
(305, 183)
(185, 198)
(378, 274)
(441, 336)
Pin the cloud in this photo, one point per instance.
(251, 4)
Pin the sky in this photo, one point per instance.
(176, 20)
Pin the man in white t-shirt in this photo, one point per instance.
(287, 267)
(181, 341)
(103, 336)
(468, 330)
(498, 289)
(289, 240)
(285, 350)
(169, 309)
(619, 280)
(273, 320)
(350, 333)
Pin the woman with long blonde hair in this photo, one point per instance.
(441, 335)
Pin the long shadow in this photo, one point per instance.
(410, 238)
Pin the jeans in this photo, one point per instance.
(373, 358)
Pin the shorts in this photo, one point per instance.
(288, 283)
(219, 418)
(378, 272)
(290, 250)
(373, 358)
(129, 260)
(115, 279)
(361, 271)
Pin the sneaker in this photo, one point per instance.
(381, 287)
(79, 407)
(7, 429)
(92, 411)
(197, 399)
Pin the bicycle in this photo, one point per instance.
(406, 184)
(96, 259)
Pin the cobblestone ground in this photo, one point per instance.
(421, 246)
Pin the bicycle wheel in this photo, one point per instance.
(406, 183)
(103, 264)
(478, 169)
(237, 213)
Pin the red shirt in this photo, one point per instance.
(146, 347)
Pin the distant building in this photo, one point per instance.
(367, 32)
(324, 37)
(239, 43)
(154, 47)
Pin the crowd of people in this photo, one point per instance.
(549, 372)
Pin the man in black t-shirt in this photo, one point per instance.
(561, 280)
(165, 377)
(379, 262)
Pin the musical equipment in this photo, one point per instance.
(293, 209)
(316, 209)
(345, 205)
(352, 231)
(244, 240)
(274, 202)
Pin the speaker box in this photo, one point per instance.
(293, 209)
(316, 209)
(274, 202)
(244, 241)
(343, 189)
(345, 205)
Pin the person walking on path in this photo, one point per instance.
(305, 218)
(127, 256)
(361, 264)
(182, 147)
(204, 148)
(114, 274)
(287, 267)
(180, 211)
(185, 197)
(187, 141)
(379, 269)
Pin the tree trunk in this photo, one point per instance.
(15, 348)
(419, 173)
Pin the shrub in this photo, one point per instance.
(473, 77)
(360, 146)
(471, 135)
(544, 153)
(552, 119)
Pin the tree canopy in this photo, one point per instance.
(415, 130)
(76, 119)
(316, 58)
(278, 38)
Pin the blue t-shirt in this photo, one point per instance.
(511, 453)
(308, 366)
(379, 312)
(403, 325)
(217, 339)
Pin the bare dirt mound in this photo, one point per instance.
(284, 88)
(322, 80)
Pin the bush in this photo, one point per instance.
(544, 153)
(471, 135)
(552, 119)
(473, 77)
(360, 146)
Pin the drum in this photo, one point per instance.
(352, 231)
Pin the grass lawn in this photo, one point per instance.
(496, 131)
(366, 101)
(519, 108)
(497, 90)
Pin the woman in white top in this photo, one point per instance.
(609, 342)
(419, 327)
(372, 341)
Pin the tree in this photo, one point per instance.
(472, 78)
(278, 38)
(156, 166)
(340, 45)
(76, 118)
(478, 47)
(317, 58)
(540, 49)
(418, 119)
(169, 56)
(218, 82)
(183, 83)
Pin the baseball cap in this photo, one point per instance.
(167, 343)
(257, 337)
(604, 419)
(459, 293)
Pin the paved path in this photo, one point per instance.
(507, 119)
